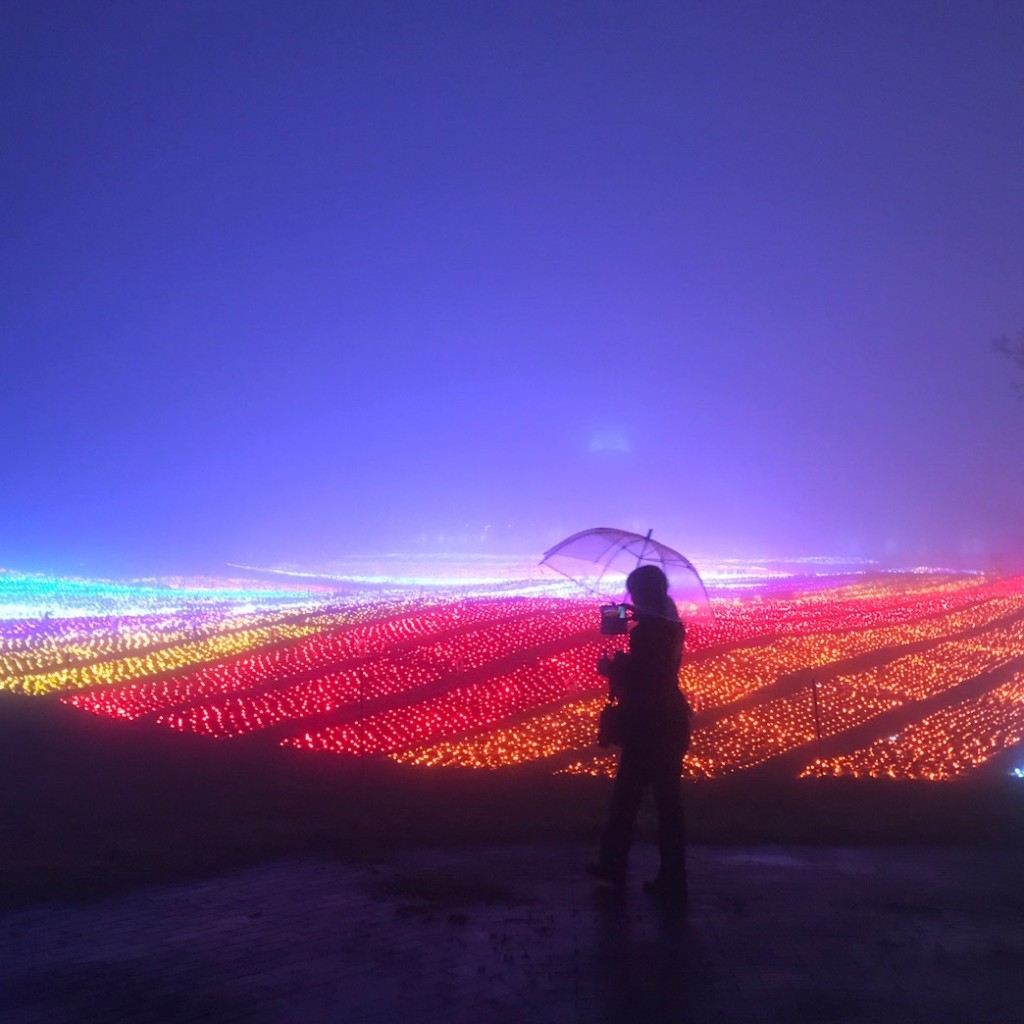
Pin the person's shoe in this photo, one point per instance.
(608, 875)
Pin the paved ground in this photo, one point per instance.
(519, 934)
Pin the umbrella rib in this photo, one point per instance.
(611, 543)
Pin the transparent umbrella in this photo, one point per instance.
(600, 559)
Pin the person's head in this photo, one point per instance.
(648, 587)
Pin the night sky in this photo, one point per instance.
(283, 282)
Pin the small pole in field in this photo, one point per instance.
(817, 718)
(362, 722)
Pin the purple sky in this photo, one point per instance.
(288, 281)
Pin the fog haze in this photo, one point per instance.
(289, 282)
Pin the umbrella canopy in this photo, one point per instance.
(600, 559)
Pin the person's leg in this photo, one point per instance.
(668, 799)
(628, 791)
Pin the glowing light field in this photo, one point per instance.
(916, 675)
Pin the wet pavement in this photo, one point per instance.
(521, 934)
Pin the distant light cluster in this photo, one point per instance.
(25, 597)
(490, 681)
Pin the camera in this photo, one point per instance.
(614, 621)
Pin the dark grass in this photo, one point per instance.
(92, 807)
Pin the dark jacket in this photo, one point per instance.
(655, 715)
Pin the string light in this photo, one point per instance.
(470, 707)
(719, 680)
(371, 629)
(945, 744)
(492, 681)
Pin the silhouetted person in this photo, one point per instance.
(654, 734)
